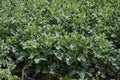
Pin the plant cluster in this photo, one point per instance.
(60, 39)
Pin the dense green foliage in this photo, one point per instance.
(63, 39)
